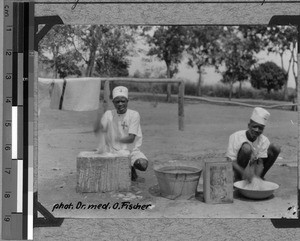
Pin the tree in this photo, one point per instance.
(53, 47)
(112, 55)
(203, 49)
(113, 66)
(101, 46)
(67, 65)
(281, 40)
(168, 44)
(268, 75)
(86, 40)
(93, 46)
(238, 57)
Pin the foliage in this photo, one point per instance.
(281, 40)
(56, 40)
(222, 91)
(108, 46)
(238, 56)
(278, 39)
(111, 58)
(86, 41)
(103, 48)
(53, 49)
(168, 44)
(203, 48)
(268, 75)
(113, 66)
(67, 65)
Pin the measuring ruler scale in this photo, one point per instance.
(18, 79)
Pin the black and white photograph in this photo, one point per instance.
(150, 120)
(168, 121)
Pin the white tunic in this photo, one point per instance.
(118, 126)
(260, 145)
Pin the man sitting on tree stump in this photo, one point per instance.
(120, 130)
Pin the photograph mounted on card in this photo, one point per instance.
(150, 114)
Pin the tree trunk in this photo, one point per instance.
(293, 67)
(199, 87)
(295, 75)
(55, 69)
(91, 62)
(296, 82)
(168, 85)
(230, 89)
(93, 49)
(55, 53)
(240, 90)
(285, 90)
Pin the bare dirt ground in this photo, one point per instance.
(63, 134)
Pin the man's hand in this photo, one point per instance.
(259, 167)
(126, 140)
(98, 128)
(248, 173)
(252, 158)
(102, 143)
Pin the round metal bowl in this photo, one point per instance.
(265, 191)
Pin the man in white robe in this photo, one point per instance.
(122, 131)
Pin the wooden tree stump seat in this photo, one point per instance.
(102, 173)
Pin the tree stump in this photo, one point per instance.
(102, 173)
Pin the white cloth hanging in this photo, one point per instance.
(76, 94)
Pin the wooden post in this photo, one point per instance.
(106, 95)
(169, 87)
(98, 173)
(181, 105)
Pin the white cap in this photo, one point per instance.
(120, 91)
(260, 115)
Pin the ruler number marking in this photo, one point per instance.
(8, 76)
(6, 11)
(7, 218)
(6, 195)
(7, 124)
(7, 147)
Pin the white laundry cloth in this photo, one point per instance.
(76, 94)
(45, 87)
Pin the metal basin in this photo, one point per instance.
(265, 190)
(177, 180)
